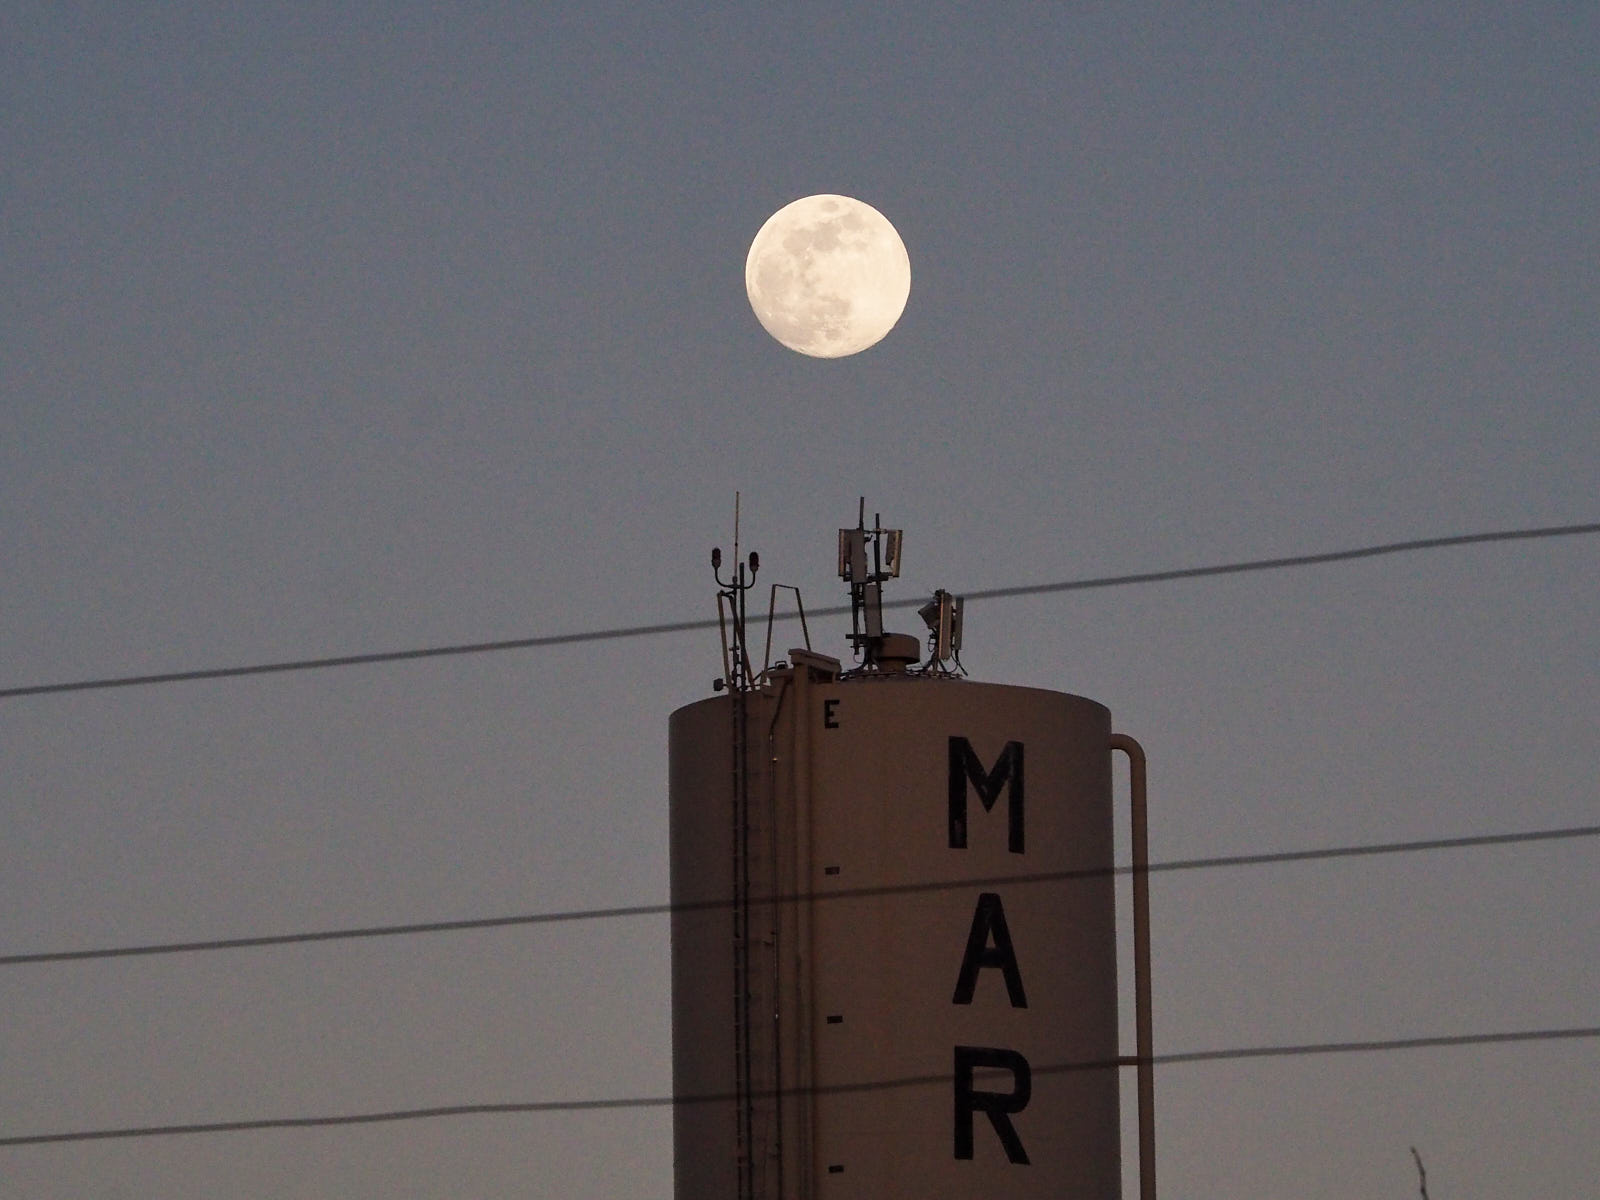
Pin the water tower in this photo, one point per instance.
(894, 953)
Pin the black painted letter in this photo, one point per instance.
(998, 1106)
(989, 921)
(965, 766)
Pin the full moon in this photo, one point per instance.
(828, 276)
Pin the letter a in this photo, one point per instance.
(989, 921)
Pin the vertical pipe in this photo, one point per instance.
(741, 882)
(775, 923)
(800, 888)
(741, 932)
(1143, 1025)
(722, 629)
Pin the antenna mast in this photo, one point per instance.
(731, 596)
(867, 557)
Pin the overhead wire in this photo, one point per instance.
(1501, 1037)
(663, 908)
(1236, 1053)
(650, 630)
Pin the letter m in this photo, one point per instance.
(965, 768)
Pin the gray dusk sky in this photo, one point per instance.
(327, 329)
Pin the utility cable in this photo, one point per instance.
(641, 1102)
(660, 909)
(635, 631)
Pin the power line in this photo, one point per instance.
(635, 631)
(1379, 1047)
(659, 909)
(641, 1102)
(1277, 564)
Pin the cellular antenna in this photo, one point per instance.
(868, 557)
(942, 616)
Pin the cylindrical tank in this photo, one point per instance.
(894, 947)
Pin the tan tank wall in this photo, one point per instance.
(701, 833)
(856, 990)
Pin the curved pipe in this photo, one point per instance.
(1144, 1036)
